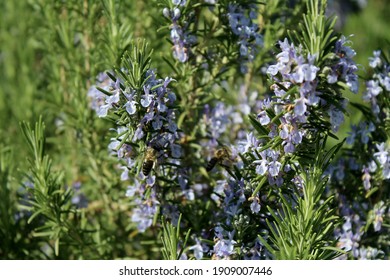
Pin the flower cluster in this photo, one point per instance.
(147, 121)
(343, 67)
(369, 171)
(351, 235)
(296, 87)
(241, 21)
(224, 246)
(146, 205)
(291, 69)
(181, 37)
(269, 164)
(148, 111)
(233, 199)
(216, 121)
(362, 131)
(224, 123)
(238, 212)
(379, 86)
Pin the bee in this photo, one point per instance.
(150, 158)
(219, 157)
(154, 151)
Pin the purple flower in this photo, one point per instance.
(345, 67)
(384, 80)
(305, 72)
(150, 180)
(366, 178)
(131, 107)
(373, 90)
(332, 77)
(378, 212)
(146, 98)
(179, 2)
(274, 168)
(143, 214)
(157, 122)
(247, 32)
(224, 247)
(263, 118)
(268, 163)
(131, 190)
(350, 234)
(79, 199)
(181, 38)
(300, 106)
(376, 60)
(125, 173)
(255, 205)
(382, 154)
(198, 249)
(176, 151)
(139, 133)
(273, 70)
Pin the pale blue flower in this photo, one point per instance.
(274, 168)
(378, 212)
(376, 60)
(305, 72)
(103, 110)
(198, 249)
(131, 107)
(147, 98)
(300, 106)
(224, 247)
(131, 190)
(263, 118)
(255, 205)
(382, 154)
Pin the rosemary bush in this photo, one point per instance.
(180, 129)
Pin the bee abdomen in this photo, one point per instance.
(210, 165)
(147, 167)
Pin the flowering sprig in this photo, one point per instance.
(378, 87)
(303, 106)
(369, 171)
(343, 68)
(297, 111)
(180, 34)
(139, 100)
(241, 21)
(288, 157)
(142, 109)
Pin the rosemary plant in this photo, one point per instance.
(182, 129)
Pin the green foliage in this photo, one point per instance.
(303, 228)
(171, 240)
(67, 201)
(49, 199)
